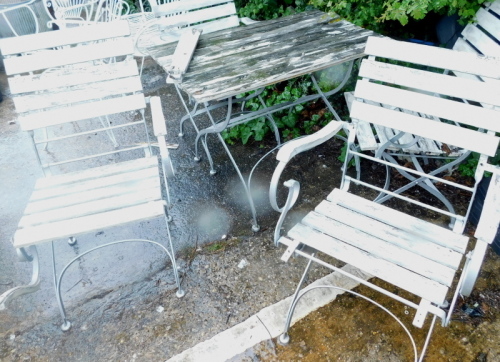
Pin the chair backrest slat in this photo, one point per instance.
(84, 93)
(49, 59)
(47, 40)
(489, 22)
(435, 57)
(74, 76)
(463, 113)
(86, 75)
(176, 7)
(481, 41)
(443, 132)
(81, 111)
(205, 15)
(433, 82)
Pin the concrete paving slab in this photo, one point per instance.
(269, 322)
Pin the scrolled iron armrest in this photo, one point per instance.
(285, 154)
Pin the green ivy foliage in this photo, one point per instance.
(373, 14)
(291, 122)
(269, 9)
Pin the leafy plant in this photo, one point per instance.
(269, 9)
(292, 122)
(373, 14)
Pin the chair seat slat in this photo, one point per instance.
(65, 190)
(61, 229)
(379, 248)
(392, 233)
(142, 191)
(438, 234)
(96, 173)
(401, 277)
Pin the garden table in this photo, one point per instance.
(233, 61)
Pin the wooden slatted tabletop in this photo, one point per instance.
(245, 58)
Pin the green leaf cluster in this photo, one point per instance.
(269, 9)
(292, 122)
(373, 14)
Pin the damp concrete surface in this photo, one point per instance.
(121, 300)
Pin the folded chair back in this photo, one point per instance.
(76, 75)
(207, 15)
(430, 104)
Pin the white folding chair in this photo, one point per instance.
(412, 253)
(89, 185)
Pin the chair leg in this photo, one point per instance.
(284, 338)
(180, 292)
(66, 325)
(427, 339)
(33, 285)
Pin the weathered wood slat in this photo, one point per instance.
(81, 111)
(46, 40)
(96, 173)
(433, 82)
(461, 61)
(438, 235)
(381, 268)
(123, 178)
(391, 233)
(145, 192)
(444, 108)
(380, 248)
(83, 93)
(61, 229)
(50, 58)
(71, 76)
(446, 133)
(267, 53)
